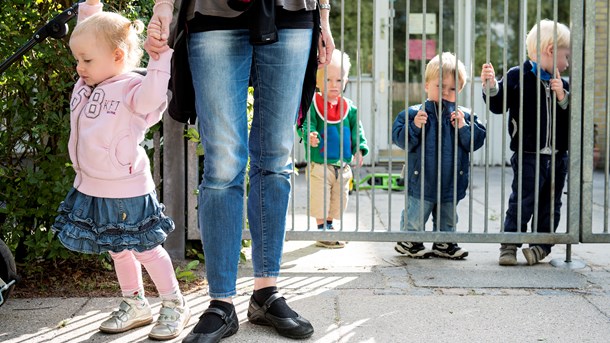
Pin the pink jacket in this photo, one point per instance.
(108, 124)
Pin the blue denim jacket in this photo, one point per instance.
(429, 160)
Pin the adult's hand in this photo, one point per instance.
(326, 44)
(156, 42)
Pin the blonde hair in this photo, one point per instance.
(449, 64)
(547, 29)
(337, 58)
(118, 32)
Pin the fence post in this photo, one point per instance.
(174, 184)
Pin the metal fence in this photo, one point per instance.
(400, 33)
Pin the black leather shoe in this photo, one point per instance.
(296, 327)
(229, 328)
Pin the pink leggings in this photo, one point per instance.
(158, 264)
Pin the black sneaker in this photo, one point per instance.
(414, 250)
(449, 250)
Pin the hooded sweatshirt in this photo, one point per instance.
(108, 123)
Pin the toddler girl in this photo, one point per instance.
(113, 205)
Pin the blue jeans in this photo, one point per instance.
(528, 204)
(414, 211)
(222, 63)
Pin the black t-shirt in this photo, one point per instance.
(284, 19)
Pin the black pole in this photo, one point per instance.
(56, 28)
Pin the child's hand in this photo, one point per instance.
(458, 116)
(488, 75)
(557, 86)
(421, 118)
(92, 2)
(358, 159)
(313, 139)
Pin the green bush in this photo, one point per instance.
(35, 173)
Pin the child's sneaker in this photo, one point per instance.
(508, 255)
(413, 249)
(173, 317)
(449, 250)
(133, 312)
(534, 254)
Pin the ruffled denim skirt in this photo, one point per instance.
(95, 225)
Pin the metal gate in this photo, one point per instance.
(403, 35)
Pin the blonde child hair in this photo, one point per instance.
(547, 28)
(449, 66)
(118, 32)
(337, 58)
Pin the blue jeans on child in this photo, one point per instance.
(528, 204)
(414, 211)
(223, 63)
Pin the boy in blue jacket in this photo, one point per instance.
(422, 142)
(551, 84)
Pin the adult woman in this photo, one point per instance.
(230, 48)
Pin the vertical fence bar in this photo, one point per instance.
(376, 32)
(456, 43)
(487, 114)
(423, 131)
(356, 176)
(581, 105)
(538, 81)
(504, 117)
(607, 157)
(554, 119)
(473, 20)
(390, 110)
(406, 109)
(341, 109)
(439, 117)
(522, 24)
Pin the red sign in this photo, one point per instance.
(415, 49)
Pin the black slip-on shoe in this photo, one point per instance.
(229, 328)
(295, 328)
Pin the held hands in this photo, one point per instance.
(158, 28)
(313, 139)
(557, 86)
(421, 118)
(488, 75)
(153, 44)
(458, 116)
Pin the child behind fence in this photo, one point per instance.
(421, 124)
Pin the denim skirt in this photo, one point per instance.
(95, 225)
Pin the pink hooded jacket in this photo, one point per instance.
(108, 124)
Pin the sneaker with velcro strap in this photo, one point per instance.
(133, 312)
(449, 250)
(534, 254)
(173, 317)
(413, 249)
(508, 255)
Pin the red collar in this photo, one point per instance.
(333, 114)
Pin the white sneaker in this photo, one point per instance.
(173, 317)
(132, 313)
